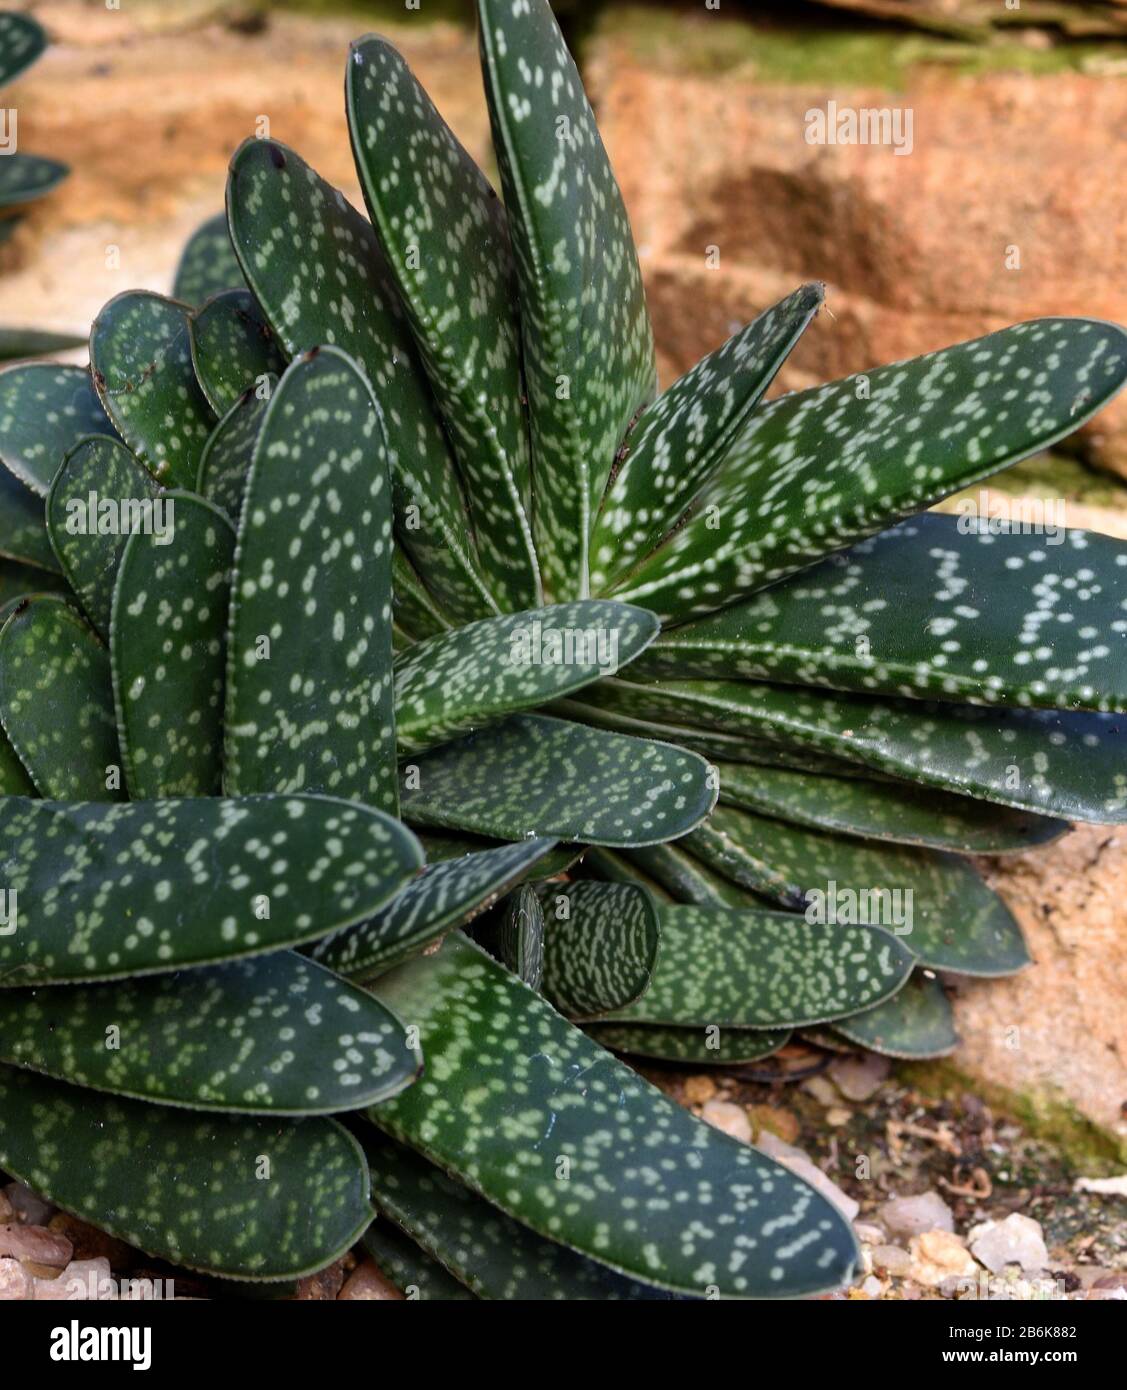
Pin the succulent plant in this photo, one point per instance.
(333, 566)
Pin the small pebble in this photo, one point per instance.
(892, 1260)
(837, 1115)
(1015, 1241)
(912, 1216)
(937, 1256)
(732, 1119)
(699, 1089)
(869, 1233)
(368, 1281)
(35, 1243)
(775, 1120)
(860, 1078)
(822, 1089)
(15, 1282)
(29, 1208)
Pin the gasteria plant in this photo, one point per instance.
(367, 536)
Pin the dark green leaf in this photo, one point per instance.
(916, 1022)
(250, 1198)
(22, 41)
(18, 343)
(313, 709)
(414, 607)
(45, 409)
(935, 903)
(747, 968)
(412, 1271)
(56, 702)
(588, 347)
(463, 680)
(682, 438)
(233, 348)
(226, 458)
(23, 530)
(317, 270)
(24, 177)
(20, 581)
(208, 264)
(536, 776)
(930, 608)
(495, 1256)
(113, 891)
(168, 650)
(446, 240)
(516, 936)
(532, 1090)
(885, 810)
(600, 946)
(686, 879)
(141, 356)
(616, 866)
(444, 896)
(99, 497)
(198, 1038)
(818, 470)
(707, 1046)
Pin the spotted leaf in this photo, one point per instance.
(600, 946)
(534, 1091)
(208, 264)
(45, 409)
(22, 41)
(25, 177)
(415, 609)
(515, 937)
(226, 458)
(409, 1267)
(686, 879)
(19, 581)
(916, 1022)
(233, 348)
(709, 1046)
(23, 531)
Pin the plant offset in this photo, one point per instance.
(408, 712)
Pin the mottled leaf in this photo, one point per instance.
(56, 702)
(935, 903)
(22, 41)
(226, 458)
(916, 1022)
(748, 968)
(141, 356)
(168, 651)
(23, 530)
(931, 608)
(885, 810)
(682, 438)
(588, 347)
(100, 496)
(24, 177)
(708, 1046)
(413, 605)
(494, 1255)
(531, 775)
(532, 1089)
(312, 710)
(277, 1034)
(515, 936)
(463, 680)
(19, 343)
(600, 946)
(446, 240)
(444, 896)
(247, 1197)
(686, 879)
(208, 264)
(233, 347)
(114, 891)
(822, 468)
(317, 270)
(45, 409)
(20, 581)
(412, 1271)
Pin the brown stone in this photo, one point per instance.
(36, 1244)
(90, 1243)
(698, 1089)
(368, 1281)
(325, 1284)
(776, 1120)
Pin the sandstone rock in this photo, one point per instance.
(912, 1216)
(937, 1256)
(732, 1119)
(775, 1120)
(35, 1243)
(367, 1281)
(1017, 1240)
(15, 1282)
(325, 1284)
(698, 1089)
(860, 1078)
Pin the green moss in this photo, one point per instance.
(1094, 1151)
(1051, 475)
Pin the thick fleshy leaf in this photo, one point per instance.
(820, 469)
(588, 346)
(22, 41)
(208, 264)
(56, 702)
(533, 1090)
(600, 946)
(21, 581)
(445, 895)
(687, 880)
(313, 710)
(885, 810)
(532, 775)
(317, 270)
(476, 675)
(23, 529)
(113, 891)
(226, 458)
(916, 1022)
(233, 348)
(516, 936)
(100, 496)
(24, 177)
(14, 780)
(1053, 762)
(168, 651)
(494, 1255)
(935, 903)
(446, 240)
(19, 343)
(415, 609)
(616, 866)
(196, 1038)
(416, 1274)
(708, 1046)
(682, 438)
(141, 357)
(254, 1198)
(743, 968)
(45, 409)
(931, 608)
